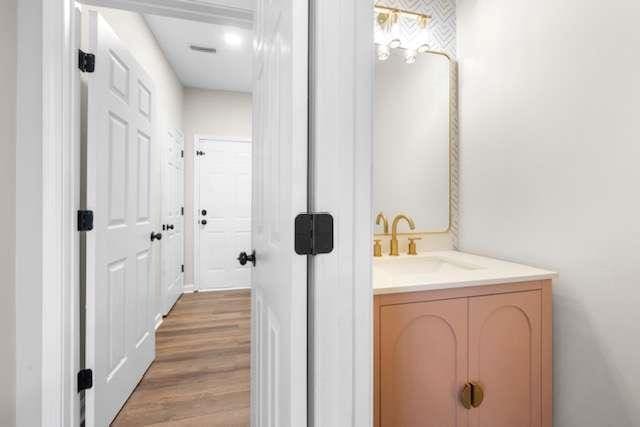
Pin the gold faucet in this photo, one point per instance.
(385, 223)
(394, 232)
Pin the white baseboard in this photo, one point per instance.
(159, 320)
(241, 288)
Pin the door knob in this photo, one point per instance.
(243, 258)
(203, 222)
(156, 236)
(204, 212)
(170, 227)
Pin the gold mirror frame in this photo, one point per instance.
(452, 94)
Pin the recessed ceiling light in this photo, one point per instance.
(203, 49)
(232, 39)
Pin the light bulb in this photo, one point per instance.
(423, 48)
(395, 43)
(410, 56)
(383, 52)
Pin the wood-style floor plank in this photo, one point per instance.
(200, 376)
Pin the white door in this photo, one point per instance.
(223, 213)
(172, 221)
(120, 336)
(279, 297)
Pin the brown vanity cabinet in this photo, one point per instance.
(477, 357)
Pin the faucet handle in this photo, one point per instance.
(377, 248)
(413, 249)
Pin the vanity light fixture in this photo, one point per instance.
(399, 28)
(423, 48)
(410, 56)
(395, 43)
(383, 52)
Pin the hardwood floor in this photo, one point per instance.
(200, 376)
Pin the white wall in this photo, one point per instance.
(8, 40)
(133, 30)
(212, 113)
(550, 130)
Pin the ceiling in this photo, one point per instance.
(227, 69)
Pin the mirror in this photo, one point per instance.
(411, 167)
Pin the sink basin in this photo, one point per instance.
(412, 268)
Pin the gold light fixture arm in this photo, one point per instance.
(390, 11)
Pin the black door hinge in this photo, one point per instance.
(182, 210)
(85, 379)
(182, 268)
(181, 153)
(314, 234)
(85, 220)
(86, 62)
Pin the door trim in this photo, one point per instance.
(341, 70)
(196, 199)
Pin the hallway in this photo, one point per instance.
(201, 374)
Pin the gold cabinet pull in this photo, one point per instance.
(465, 395)
(477, 394)
(472, 395)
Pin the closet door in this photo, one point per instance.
(505, 359)
(423, 364)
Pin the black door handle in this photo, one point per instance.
(170, 227)
(204, 212)
(203, 222)
(243, 258)
(156, 236)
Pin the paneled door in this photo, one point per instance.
(505, 359)
(223, 213)
(172, 221)
(279, 297)
(120, 342)
(423, 364)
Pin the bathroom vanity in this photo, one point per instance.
(461, 340)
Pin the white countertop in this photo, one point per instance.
(446, 270)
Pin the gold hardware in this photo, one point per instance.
(413, 249)
(477, 394)
(391, 11)
(465, 395)
(394, 232)
(377, 248)
(385, 223)
(472, 395)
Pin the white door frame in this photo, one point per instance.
(196, 201)
(48, 141)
